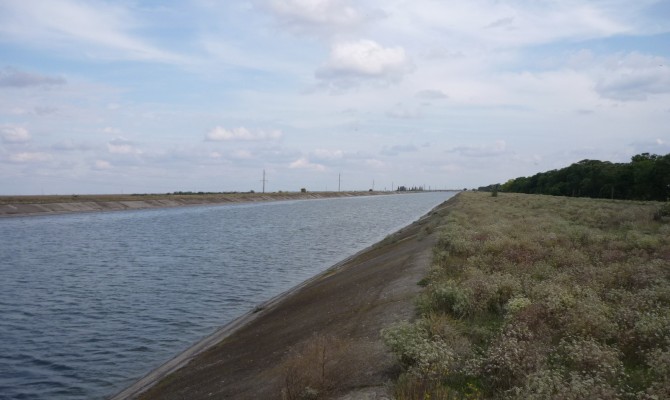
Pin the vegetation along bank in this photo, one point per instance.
(541, 297)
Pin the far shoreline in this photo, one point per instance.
(24, 206)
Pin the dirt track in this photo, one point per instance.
(341, 310)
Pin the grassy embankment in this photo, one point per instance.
(539, 297)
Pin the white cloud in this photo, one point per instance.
(621, 76)
(29, 157)
(111, 131)
(451, 168)
(325, 154)
(70, 145)
(496, 149)
(122, 146)
(311, 15)
(12, 77)
(514, 23)
(634, 76)
(502, 22)
(18, 111)
(304, 163)
(102, 165)
(242, 155)
(430, 94)
(101, 29)
(401, 111)
(651, 145)
(375, 163)
(503, 66)
(14, 134)
(397, 149)
(45, 110)
(355, 61)
(220, 134)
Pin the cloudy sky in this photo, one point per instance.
(203, 95)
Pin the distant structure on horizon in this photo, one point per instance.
(412, 189)
(264, 180)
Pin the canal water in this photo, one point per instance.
(91, 302)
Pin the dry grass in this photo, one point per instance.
(542, 297)
(317, 368)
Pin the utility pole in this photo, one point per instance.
(264, 180)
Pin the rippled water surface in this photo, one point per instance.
(91, 302)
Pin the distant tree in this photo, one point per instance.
(646, 177)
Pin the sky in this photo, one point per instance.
(201, 95)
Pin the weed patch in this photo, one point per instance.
(315, 369)
(539, 297)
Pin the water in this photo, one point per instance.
(91, 302)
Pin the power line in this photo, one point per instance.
(264, 180)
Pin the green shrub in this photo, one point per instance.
(449, 330)
(453, 298)
(652, 329)
(516, 304)
(551, 384)
(658, 362)
(591, 357)
(590, 317)
(411, 387)
(489, 292)
(420, 355)
(512, 356)
(663, 211)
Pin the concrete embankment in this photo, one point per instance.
(339, 312)
(46, 205)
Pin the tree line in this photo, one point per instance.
(646, 177)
